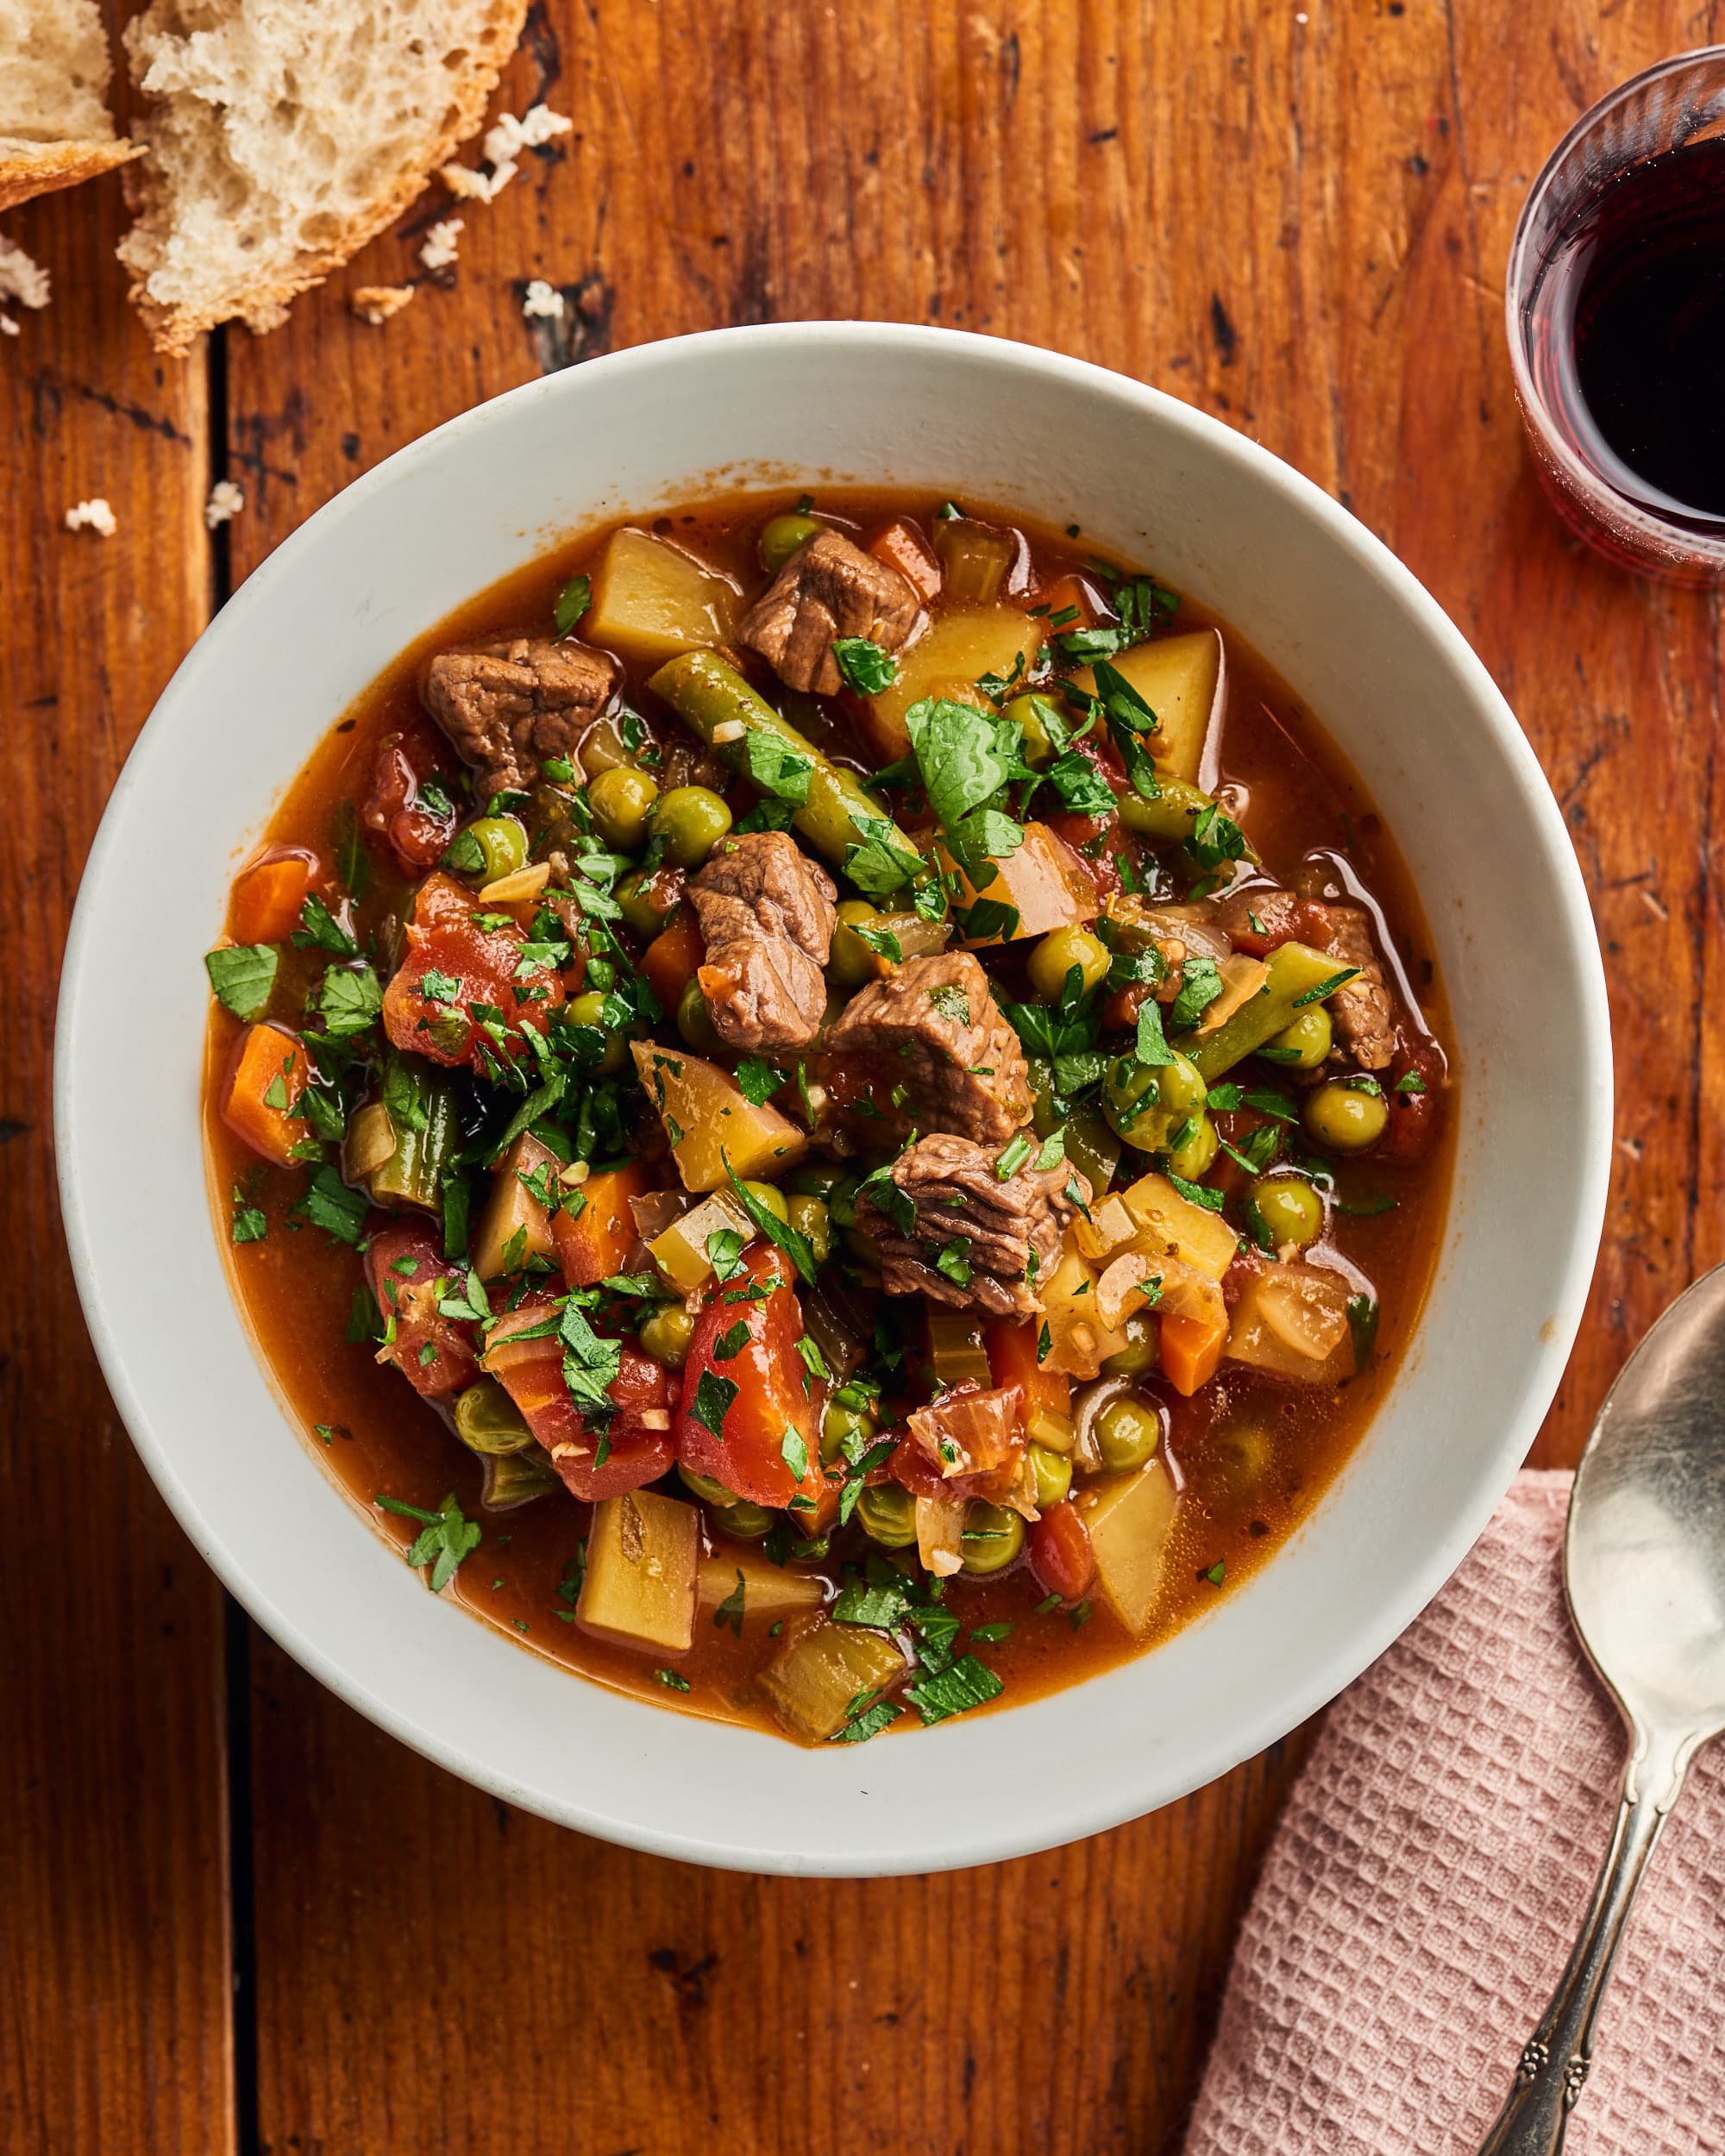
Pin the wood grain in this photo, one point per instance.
(115, 1988)
(1299, 225)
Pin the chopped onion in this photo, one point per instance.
(655, 1212)
(834, 1330)
(940, 1529)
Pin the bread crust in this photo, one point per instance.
(59, 164)
(263, 305)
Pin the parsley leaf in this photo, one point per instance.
(1362, 1316)
(1195, 1194)
(319, 930)
(863, 1721)
(731, 1610)
(793, 1451)
(1325, 987)
(730, 1343)
(776, 766)
(350, 999)
(865, 665)
(446, 1540)
(951, 1001)
(1153, 1043)
(590, 1365)
(757, 1081)
(965, 756)
(573, 601)
(250, 1225)
(330, 1204)
(966, 1683)
(1201, 983)
(1082, 789)
(878, 865)
(1215, 837)
(711, 1403)
(242, 976)
(797, 1247)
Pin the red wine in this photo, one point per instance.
(1629, 334)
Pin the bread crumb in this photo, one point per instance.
(542, 299)
(441, 242)
(20, 277)
(92, 516)
(375, 304)
(504, 143)
(226, 501)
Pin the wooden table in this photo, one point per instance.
(238, 1917)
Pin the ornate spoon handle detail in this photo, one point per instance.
(1555, 2059)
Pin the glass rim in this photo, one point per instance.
(1554, 444)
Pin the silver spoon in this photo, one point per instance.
(1644, 1565)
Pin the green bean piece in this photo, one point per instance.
(1345, 1115)
(1093, 1150)
(423, 1119)
(705, 1487)
(690, 820)
(746, 1522)
(708, 696)
(991, 1536)
(887, 1514)
(622, 800)
(1171, 815)
(850, 963)
(1295, 971)
(488, 1421)
(515, 1478)
(782, 537)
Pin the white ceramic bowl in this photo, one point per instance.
(1149, 480)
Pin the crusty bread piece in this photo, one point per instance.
(54, 126)
(284, 133)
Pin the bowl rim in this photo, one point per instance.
(943, 1845)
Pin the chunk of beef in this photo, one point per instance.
(949, 1199)
(1364, 1010)
(829, 588)
(926, 1049)
(509, 706)
(767, 918)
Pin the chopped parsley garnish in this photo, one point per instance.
(862, 1720)
(350, 999)
(242, 976)
(1325, 987)
(953, 1262)
(1152, 1046)
(966, 1683)
(951, 1001)
(731, 1610)
(778, 766)
(330, 1204)
(1201, 983)
(1218, 1572)
(731, 1342)
(1195, 1194)
(797, 1247)
(865, 665)
(793, 1451)
(1362, 1317)
(250, 1225)
(878, 865)
(1410, 1081)
(1013, 1157)
(446, 1540)
(319, 930)
(590, 1365)
(757, 1079)
(673, 1680)
(711, 1403)
(573, 601)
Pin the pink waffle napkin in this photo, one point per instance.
(1425, 1883)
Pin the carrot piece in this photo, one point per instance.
(265, 1080)
(1191, 1349)
(1067, 592)
(903, 548)
(1012, 1345)
(671, 959)
(597, 1240)
(267, 896)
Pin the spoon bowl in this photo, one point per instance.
(1644, 1569)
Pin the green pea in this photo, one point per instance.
(666, 1335)
(1030, 712)
(503, 840)
(841, 1426)
(1058, 952)
(588, 1010)
(691, 820)
(1303, 1045)
(1194, 1157)
(1146, 1103)
(705, 1487)
(782, 537)
(842, 1200)
(816, 1182)
(772, 1197)
(1138, 1355)
(694, 1020)
(747, 1522)
(1345, 1115)
(887, 1514)
(488, 1421)
(1127, 1434)
(1289, 1210)
(992, 1537)
(647, 903)
(622, 803)
(850, 963)
(1053, 1475)
(810, 1218)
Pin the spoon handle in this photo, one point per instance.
(1555, 2059)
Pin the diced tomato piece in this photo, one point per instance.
(1416, 1108)
(268, 894)
(1060, 1552)
(774, 1391)
(1189, 1349)
(1121, 1010)
(1260, 921)
(407, 1272)
(265, 1080)
(671, 959)
(596, 1240)
(633, 1449)
(903, 548)
(395, 811)
(451, 965)
(1012, 1345)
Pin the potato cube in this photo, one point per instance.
(640, 1583)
